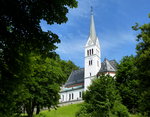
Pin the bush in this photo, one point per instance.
(119, 110)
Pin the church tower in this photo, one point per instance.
(92, 63)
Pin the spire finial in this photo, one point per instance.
(91, 10)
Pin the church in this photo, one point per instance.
(79, 80)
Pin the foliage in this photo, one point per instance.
(44, 84)
(67, 67)
(127, 83)
(142, 63)
(100, 98)
(21, 34)
(119, 110)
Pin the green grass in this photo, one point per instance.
(64, 111)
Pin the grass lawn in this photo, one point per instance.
(64, 111)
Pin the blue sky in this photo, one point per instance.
(113, 22)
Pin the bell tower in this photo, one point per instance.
(92, 55)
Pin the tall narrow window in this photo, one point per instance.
(90, 74)
(80, 94)
(69, 96)
(72, 95)
(92, 51)
(98, 63)
(88, 52)
(91, 62)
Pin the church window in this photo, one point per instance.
(91, 62)
(72, 95)
(88, 52)
(92, 51)
(90, 74)
(80, 94)
(69, 96)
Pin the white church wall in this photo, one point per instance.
(71, 95)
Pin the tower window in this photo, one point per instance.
(92, 51)
(90, 62)
(88, 52)
(90, 74)
(98, 63)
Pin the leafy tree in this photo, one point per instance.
(21, 34)
(128, 83)
(68, 67)
(142, 63)
(44, 84)
(100, 98)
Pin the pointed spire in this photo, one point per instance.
(92, 27)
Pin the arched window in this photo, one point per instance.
(87, 52)
(69, 96)
(72, 95)
(92, 51)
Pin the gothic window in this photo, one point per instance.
(72, 95)
(91, 62)
(92, 51)
(90, 74)
(69, 96)
(80, 94)
(88, 52)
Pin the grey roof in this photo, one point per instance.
(92, 29)
(108, 66)
(76, 77)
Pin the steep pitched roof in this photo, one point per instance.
(92, 29)
(108, 66)
(76, 77)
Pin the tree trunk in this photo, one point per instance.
(30, 108)
(38, 109)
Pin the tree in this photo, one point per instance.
(21, 34)
(101, 98)
(44, 84)
(142, 63)
(67, 67)
(128, 83)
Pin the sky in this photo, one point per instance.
(113, 22)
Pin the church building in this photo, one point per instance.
(79, 80)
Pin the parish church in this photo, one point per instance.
(79, 80)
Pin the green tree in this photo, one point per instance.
(21, 34)
(101, 98)
(128, 83)
(142, 63)
(68, 67)
(44, 84)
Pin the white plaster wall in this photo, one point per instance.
(75, 95)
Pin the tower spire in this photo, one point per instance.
(92, 27)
